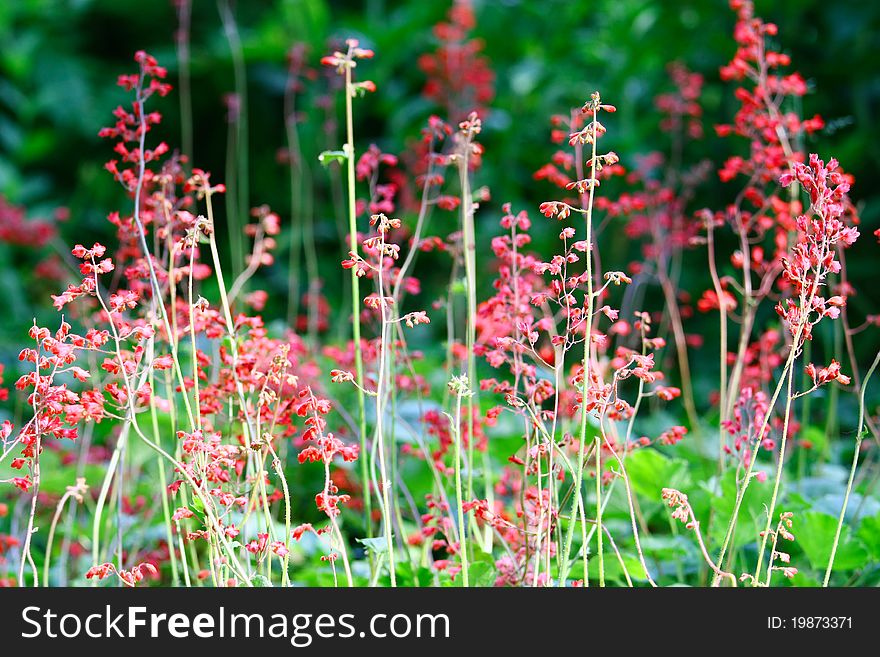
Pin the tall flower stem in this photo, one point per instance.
(26, 556)
(239, 125)
(163, 481)
(681, 349)
(250, 431)
(786, 371)
(862, 430)
(184, 13)
(381, 381)
(741, 492)
(355, 298)
(778, 480)
(75, 492)
(460, 391)
(469, 248)
(302, 234)
(722, 346)
(579, 466)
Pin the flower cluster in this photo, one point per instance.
(132, 125)
(459, 76)
(814, 256)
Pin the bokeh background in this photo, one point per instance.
(59, 60)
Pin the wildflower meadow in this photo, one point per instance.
(441, 294)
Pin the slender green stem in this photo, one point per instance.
(462, 528)
(722, 321)
(852, 471)
(470, 249)
(249, 429)
(355, 299)
(687, 388)
(75, 492)
(789, 364)
(381, 381)
(599, 538)
(579, 466)
(240, 122)
(630, 498)
(184, 13)
(741, 492)
(163, 482)
(778, 480)
(102, 495)
(279, 470)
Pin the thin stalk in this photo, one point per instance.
(132, 423)
(230, 29)
(789, 364)
(850, 347)
(462, 532)
(469, 248)
(579, 471)
(852, 471)
(163, 482)
(599, 546)
(75, 492)
(249, 430)
(779, 465)
(724, 391)
(105, 489)
(630, 501)
(678, 334)
(749, 311)
(355, 298)
(182, 37)
(342, 550)
(302, 235)
(381, 382)
(26, 556)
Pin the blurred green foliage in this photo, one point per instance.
(60, 58)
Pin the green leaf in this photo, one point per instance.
(869, 533)
(671, 548)
(327, 157)
(377, 546)
(481, 574)
(198, 508)
(613, 571)
(814, 533)
(634, 567)
(752, 515)
(405, 576)
(260, 581)
(650, 472)
(801, 580)
(55, 478)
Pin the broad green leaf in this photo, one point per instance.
(801, 580)
(377, 546)
(752, 514)
(869, 534)
(481, 574)
(650, 472)
(814, 533)
(198, 508)
(613, 571)
(260, 581)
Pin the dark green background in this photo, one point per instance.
(59, 60)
